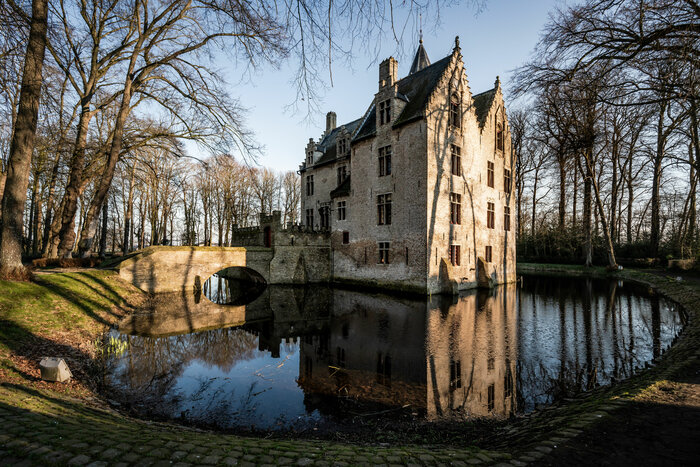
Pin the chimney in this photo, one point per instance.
(388, 71)
(330, 122)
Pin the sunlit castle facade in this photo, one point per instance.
(418, 192)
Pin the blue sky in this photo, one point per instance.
(494, 42)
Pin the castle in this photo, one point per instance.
(417, 194)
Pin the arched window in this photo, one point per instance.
(455, 111)
(499, 136)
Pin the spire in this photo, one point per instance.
(421, 59)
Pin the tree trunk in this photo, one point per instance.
(612, 262)
(90, 226)
(588, 240)
(129, 212)
(103, 233)
(74, 189)
(22, 146)
(562, 192)
(655, 234)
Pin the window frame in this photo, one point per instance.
(455, 208)
(507, 181)
(342, 210)
(384, 209)
(310, 217)
(490, 173)
(455, 115)
(488, 254)
(385, 112)
(456, 160)
(310, 185)
(455, 254)
(383, 249)
(506, 218)
(500, 143)
(491, 215)
(385, 153)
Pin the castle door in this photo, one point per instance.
(267, 232)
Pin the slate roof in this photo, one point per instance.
(328, 144)
(343, 189)
(416, 88)
(482, 105)
(421, 59)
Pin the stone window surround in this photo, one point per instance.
(384, 161)
(384, 209)
(490, 173)
(491, 215)
(383, 249)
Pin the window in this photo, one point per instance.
(499, 136)
(385, 161)
(488, 254)
(506, 218)
(384, 369)
(490, 215)
(342, 146)
(455, 111)
(506, 180)
(456, 159)
(324, 214)
(455, 374)
(309, 157)
(384, 252)
(346, 237)
(385, 112)
(455, 208)
(455, 254)
(384, 209)
(489, 174)
(309, 217)
(342, 173)
(341, 210)
(309, 185)
(492, 397)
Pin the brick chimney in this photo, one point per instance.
(388, 71)
(330, 121)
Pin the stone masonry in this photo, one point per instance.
(417, 194)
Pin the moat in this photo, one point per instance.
(281, 358)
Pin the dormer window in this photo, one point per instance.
(342, 147)
(309, 158)
(385, 112)
(499, 136)
(455, 111)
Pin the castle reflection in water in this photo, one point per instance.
(490, 353)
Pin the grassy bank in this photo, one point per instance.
(58, 315)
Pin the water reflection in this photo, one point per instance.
(296, 357)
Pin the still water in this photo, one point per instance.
(296, 358)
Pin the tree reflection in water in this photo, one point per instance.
(294, 357)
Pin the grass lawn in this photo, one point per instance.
(60, 314)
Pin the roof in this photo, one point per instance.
(482, 105)
(343, 189)
(328, 144)
(421, 59)
(416, 88)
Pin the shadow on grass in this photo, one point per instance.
(87, 305)
(23, 343)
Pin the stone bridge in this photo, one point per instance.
(268, 252)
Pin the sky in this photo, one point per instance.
(494, 42)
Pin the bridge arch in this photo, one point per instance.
(168, 269)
